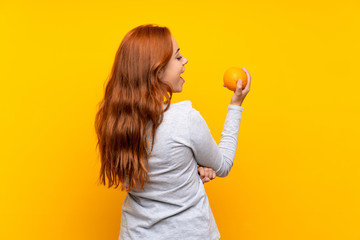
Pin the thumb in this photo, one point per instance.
(239, 85)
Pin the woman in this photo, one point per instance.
(153, 148)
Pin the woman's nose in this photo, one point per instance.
(186, 60)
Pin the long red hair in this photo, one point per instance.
(134, 99)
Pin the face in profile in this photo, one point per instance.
(174, 68)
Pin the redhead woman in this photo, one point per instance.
(160, 152)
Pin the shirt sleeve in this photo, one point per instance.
(206, 151)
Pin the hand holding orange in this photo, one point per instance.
(231, 77)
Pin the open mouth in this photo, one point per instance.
(181, 76)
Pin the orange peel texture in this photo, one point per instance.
(232, 75)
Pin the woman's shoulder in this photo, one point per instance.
(183, 105)
(181, 116)
(179, 110)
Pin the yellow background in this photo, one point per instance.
(296, 171)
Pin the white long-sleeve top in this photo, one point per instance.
(174, 204)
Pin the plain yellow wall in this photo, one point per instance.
(296, 171)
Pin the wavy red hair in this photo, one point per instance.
(133, 106)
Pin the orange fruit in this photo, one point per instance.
(232, 75)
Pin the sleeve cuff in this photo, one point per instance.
(236, 107)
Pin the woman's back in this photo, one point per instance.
(174, 203)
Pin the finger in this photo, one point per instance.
(248, 77)
(238, 89)
(247, 72)
(201, 171)
(213, 174)
(210, 173)
(239, 83)
(207, 172)
(247, 87)
(204, 180)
